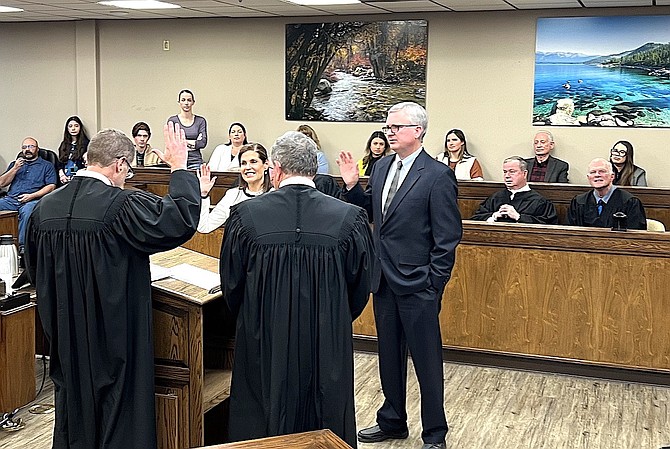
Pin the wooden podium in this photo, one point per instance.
(316, 439)
(185, 391)
(17, 357)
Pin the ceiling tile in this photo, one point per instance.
(469, 5)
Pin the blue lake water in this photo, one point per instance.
(600, 89)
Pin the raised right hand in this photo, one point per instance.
(206, 181)
(175, 146)
(348, 169)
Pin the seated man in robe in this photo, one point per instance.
(596, 207)
(544, 167)
(29, 178)
(295, 267)
(517, 203)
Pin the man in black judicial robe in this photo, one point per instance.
(517, 203)
(295, 268)
(596, 207)
(87, 252)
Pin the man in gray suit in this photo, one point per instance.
(544, 167)
(412, 200)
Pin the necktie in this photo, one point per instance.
(601, 204)
(392, 189)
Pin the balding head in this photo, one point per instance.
(30, 148)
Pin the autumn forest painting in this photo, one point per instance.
(354, 71)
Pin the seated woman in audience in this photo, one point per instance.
(456, 156)
(254, 181)
(194, 126)
(625, 171)
(72, 148)
(320, 157)
(145, 156)
(376, 148)
(224, 156)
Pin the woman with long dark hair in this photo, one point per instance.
(625, 171)
(254, 181)
(377, 147)
(72, 148)
(224, 156)
(456, 156)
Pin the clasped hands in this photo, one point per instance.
(506, 210)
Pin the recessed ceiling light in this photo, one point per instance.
(323, 2)
(10, 9)
(139, 4)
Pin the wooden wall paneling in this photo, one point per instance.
(167, 420)
(9, 224)
(17, 357)
(209, 244)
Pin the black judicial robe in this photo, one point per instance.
(532, 207)
(87, 251)
(295, 266)
(583, 210)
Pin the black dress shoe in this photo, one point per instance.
(441, 445)
(374, 435)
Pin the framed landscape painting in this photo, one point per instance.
(354, 71)
(602, 71)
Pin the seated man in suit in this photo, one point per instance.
(29, 178)
(596, 207)
(517, 203)
(544, 167)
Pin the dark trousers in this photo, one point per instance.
(410, 322)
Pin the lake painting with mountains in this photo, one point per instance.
(602, 71)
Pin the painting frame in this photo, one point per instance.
(602, 71)
(353, 71)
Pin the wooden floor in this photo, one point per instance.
(486, 408)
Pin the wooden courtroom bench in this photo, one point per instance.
(470, 193)
(586, 296)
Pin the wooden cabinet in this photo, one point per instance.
(182, 387)
(17, 357)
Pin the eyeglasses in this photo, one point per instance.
(130, 173)
(394, 128)
(615, 152)
(28, 147)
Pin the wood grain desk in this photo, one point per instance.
(317, 439)
(185, 391)
(17, 357)
(561, 293)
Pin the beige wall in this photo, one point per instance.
(114, 73)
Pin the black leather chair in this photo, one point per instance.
(47, 155)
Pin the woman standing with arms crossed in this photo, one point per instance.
(194, 126)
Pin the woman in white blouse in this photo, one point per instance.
(254, 181)
(224, 156)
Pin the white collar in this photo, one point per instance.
(94, 174)
(297, 180)
(525, 188)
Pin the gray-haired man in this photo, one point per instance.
(295, 268)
